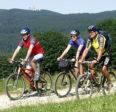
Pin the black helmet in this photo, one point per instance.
(25, 30)
(75, 32)
(92, 28)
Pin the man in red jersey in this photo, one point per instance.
(35, 50)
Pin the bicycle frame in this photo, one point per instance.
(88, 71)
(72, 73)
(22, 69)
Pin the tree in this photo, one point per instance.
(54, 44)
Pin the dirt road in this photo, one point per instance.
(5, 102)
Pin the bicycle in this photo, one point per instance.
(87, 85)
(65, 78)
(112, 73)
(15, 84)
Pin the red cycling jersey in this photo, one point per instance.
(37, 46)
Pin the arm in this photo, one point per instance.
(101, 48)
(78, 52)
(85, 52)
(65, 51)
(77, 55)
(101, 51)
(29, 52)
(15, 53)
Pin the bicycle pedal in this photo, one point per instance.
(41, 92)
(26, 91)
(97, 85)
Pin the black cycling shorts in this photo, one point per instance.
(105, 60)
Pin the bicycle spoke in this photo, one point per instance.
(63, 84)
(45, 82)
(14, 87)
(83, 87)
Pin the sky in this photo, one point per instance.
(62, 6)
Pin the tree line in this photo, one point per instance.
(54, 43)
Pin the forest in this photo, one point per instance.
(52, 30)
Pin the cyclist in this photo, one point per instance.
(35, 50)
(77, 42)
(98, 42)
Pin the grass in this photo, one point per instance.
(99, 104)
(2, 84)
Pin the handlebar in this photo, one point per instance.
(73, 60)
(69, 60)
(20, 61)
(86, 62)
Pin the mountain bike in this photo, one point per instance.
(66, 78)
(112, 73)
(88, 85)
(15, 84)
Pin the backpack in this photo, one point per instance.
(108, 40)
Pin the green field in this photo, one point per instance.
(99, 104)
(2, 83)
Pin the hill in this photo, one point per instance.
(11, 21)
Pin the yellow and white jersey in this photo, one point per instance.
(97, 42)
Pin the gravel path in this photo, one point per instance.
(32, 100)
(5, 102)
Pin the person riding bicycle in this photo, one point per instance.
(77, 42)
(98, 42)
(35, 50)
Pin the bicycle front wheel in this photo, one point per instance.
(63, 84)
(15, 86)
(83, 87)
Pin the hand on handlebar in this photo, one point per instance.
(59, 58)
(94, 62)
(23, 61)
(80, 61)
(10, 60)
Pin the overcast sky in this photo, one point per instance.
(62, 6)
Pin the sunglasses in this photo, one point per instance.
(23, 34)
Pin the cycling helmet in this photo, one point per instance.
(92, 28)
(25, 30)
(75, 32)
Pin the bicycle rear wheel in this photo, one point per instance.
(15, 86)
(113, 76)
(107, 90)
(45, 82)
(84, 87)
(98, 83)
(63, 84)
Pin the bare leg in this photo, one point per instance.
(92, 70)
(76, 72)
(33, 64)
(106, 73)
(37, 73)
(81, 69)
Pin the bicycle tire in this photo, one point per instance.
(99, 85)
(45, 81)
(84, 87)
(61, 88)
(113, 79)
(113, 76)
(17, 87)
